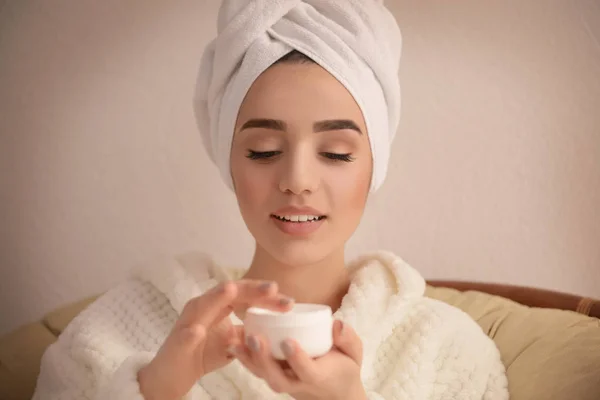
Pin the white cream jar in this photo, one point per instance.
(310, 325)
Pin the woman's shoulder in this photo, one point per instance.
(131, 310)
(449, 330)
(386, 275)
(458, 336)
(445, 317)
(148, 300)
(132, 318)
(183, 276)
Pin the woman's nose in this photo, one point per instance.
(299, 173)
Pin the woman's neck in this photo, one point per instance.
(324, 282)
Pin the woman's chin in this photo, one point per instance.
(299, 253)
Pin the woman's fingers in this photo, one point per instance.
(260, 351)
(243, 355)
(262, 294)
(300, 362)
(208, 308)
(179, 346)
(198, 342)
(218, 302)
(259, 360)
(235, 339)
(347, 341)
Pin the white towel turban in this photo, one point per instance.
(357, 41)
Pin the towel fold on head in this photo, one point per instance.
(357, 41)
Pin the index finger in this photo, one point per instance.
(214, 304)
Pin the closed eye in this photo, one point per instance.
(267, 155)
(339, 157)
(262, 155)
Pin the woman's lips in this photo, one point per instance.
(298, 225)
(297, 210)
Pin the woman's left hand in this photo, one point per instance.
(335, 375)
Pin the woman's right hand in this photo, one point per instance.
(198, 343)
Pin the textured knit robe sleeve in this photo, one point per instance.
(100, 352)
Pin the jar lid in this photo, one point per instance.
(300, 314)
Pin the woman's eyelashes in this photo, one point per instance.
(271, 155)
(262, 155)
(347, 157)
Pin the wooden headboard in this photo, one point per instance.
(529, 296)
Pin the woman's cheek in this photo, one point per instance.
(362, 183)
(252, 181)
(350, 186)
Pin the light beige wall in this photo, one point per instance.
(495, 176)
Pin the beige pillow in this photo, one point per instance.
(549, 354)
(20, 354)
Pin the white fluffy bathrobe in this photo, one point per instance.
(415, 348)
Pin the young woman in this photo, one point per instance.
(297, 102)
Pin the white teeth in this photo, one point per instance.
(298, 218)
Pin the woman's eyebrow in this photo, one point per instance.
(264, 123)
(319, 126)
(336, 125)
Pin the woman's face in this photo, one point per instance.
(300, 162)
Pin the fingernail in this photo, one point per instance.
(284, 301)
(253, 343)
(287, 348)
(264, 287)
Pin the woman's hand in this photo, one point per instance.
(336, 375)
(198, 343)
